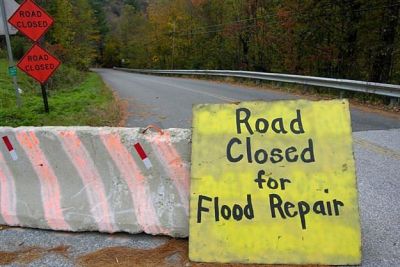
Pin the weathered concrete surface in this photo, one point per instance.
(93, 179)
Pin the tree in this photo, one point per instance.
(102, 27)
(354, 39)
(384, 53)
(63, 32)
(86, 35)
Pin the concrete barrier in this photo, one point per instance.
(95, 179)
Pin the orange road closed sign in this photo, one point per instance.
(31, 20)
(39, 64)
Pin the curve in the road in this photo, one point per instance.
(168, 102)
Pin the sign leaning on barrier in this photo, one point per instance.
(274, 182)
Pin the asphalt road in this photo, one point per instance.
(167, 102)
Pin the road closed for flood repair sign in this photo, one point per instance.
(274, 183)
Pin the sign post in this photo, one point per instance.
(9, 52)
(34, 22)
(44, 96)
(274, 183)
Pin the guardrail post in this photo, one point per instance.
(394, 101)
(341, 94)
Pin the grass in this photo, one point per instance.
(87, 101)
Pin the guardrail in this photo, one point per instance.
(384, 89)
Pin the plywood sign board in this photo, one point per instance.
(274, 182)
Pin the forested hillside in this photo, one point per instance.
(356, 39)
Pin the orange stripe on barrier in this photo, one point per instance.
(91, 179)
(49, 187)
(8, 203)
(142, 203)
(173, 164)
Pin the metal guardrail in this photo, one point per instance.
(384, 89)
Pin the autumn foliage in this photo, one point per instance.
(353, 39)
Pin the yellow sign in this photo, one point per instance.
(274, 182)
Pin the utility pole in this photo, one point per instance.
(11, 64)
(173, 47)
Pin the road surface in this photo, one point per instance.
(167, 102)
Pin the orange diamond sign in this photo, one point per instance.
(31, 20)
(39, 64)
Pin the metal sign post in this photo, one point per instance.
(45, 101)
(9, 52)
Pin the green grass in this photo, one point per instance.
(88, 102)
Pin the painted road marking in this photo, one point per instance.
(224, 98)
(377, 148)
